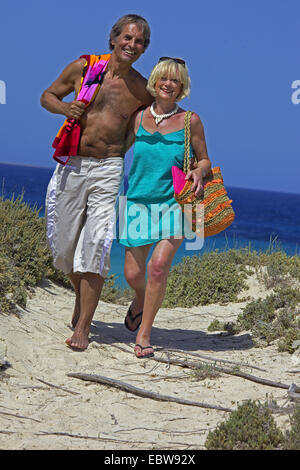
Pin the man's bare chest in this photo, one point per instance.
(115, 97)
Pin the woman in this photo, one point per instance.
(158, 132)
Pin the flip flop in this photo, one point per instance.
(142, 349)
(132, 318)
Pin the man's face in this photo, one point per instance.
(129, 45)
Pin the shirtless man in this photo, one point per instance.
(81, 194)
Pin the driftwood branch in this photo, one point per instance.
(211, 358)
(196, 431)
(58, 387)
(194, 365)
(104, 439)
(19, 416)
(292, 393)
(141, 392)
(202, 356)
(79, 436)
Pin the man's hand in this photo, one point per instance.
(196, 176)
(74, 109)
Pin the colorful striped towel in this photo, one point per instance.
(67, 140)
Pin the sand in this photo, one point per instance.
(41, 407)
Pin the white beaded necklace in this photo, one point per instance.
(159, 117)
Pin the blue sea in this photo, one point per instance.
(264, 219)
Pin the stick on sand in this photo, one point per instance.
(141, 392)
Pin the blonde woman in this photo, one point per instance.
(158, 133)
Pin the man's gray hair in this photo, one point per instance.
(127, 19)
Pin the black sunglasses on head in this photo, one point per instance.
(178, 61)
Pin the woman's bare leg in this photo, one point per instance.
(158, 270)
(135, 272)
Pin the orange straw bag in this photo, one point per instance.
(218, 213)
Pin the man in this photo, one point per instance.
(82, 194)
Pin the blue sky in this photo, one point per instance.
(243, 58)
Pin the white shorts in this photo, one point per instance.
(80, 213)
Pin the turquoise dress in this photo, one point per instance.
(151, 213)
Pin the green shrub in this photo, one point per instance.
(24, 254)
(10, 290)
(277, 269)
(229, 327)
(280, 268)
(23, 240)
(205, 371)
(200, 280)
(112, 293)
(292, 437)
(274, 318)
(215, 325)
(250, 427)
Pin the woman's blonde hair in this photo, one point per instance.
(170, 68)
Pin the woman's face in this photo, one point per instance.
(168, 88)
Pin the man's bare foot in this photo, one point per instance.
(79, 341)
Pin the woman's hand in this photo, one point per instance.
(196, 176)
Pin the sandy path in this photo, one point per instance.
(84, 415)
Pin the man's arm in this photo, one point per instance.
(67, 82)
(132, 129)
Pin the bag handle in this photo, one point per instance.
(187, 140)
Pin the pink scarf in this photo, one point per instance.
(67, 140)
